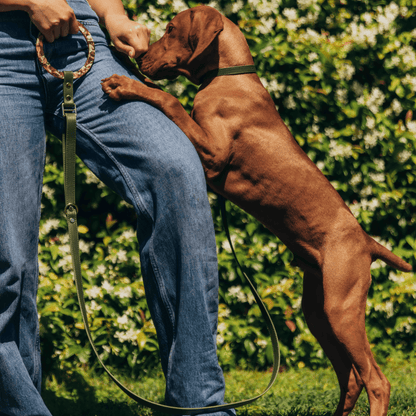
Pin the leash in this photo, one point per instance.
(69, 113)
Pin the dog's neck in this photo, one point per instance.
(232, 50)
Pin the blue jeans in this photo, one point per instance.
(145, 158)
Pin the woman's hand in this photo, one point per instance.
(129, 37)
(53, 18)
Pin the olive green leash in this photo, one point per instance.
(69, 112)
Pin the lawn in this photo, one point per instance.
(300, 392)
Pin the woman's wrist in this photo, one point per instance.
(108, 18)
(12, 5)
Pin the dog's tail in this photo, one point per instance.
(382, 253)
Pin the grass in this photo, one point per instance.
(296, 393)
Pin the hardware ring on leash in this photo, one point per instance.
(69, 112)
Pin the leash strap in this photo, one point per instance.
(71, 211)
(232, 70)
(69, 112)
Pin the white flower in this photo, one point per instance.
(123, 320)
(124, 292)
(316, 68)
(122, 255)
(341, 150)
(375, 100)
(130, 335)
(93, 292)
(368, 190)
(320, 165)
(107, 287)
(312, 56)
(49, 192)
(409, 80)
(236, 292)
(411, 126)
(355, 209)
(346, 72)
(94, 306)
(396, 106)
(377, 177)
(290, 14)
(370, 122)
(91, 178)
(48, 226)
(379, 163)
(220, 339)
(386, 307)
(372, 138)
(266, 8)
(127, 235)
(43, 268)
(237, 6)
(404, 156)
(261, 343)
(356, 179)
(254, 3)
(100, 270)
(57, 288)
(266, 25)
(222, 327)
(84, 246)
(362, 35)
(329, 132)
(224, 312)
(367, 18)
(357, 88)
(342, 95)
(179, 6)
(304, 4)
(290, 103)
(65, 263)
(408, 56)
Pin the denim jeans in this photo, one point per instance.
(148, 161)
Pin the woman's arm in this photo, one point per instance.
(129, 37)
(54, 18)
(10, 5)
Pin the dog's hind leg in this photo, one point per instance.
(345, 280)
(313, 309)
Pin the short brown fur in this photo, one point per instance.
(251, 158)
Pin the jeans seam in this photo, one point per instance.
(162, 291)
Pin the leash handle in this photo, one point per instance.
(60, 74)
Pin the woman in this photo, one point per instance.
(135, 150)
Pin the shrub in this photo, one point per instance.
(343, 76)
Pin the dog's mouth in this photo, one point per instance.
(163, 71)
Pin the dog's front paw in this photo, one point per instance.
(120, 87)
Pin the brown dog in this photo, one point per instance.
(250, 157)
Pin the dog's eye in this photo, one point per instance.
(169, 29)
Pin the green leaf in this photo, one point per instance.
(250, 347)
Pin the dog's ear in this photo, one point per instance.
(206, 24)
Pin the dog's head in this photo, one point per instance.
(181, 50)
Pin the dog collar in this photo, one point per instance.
(232, 70)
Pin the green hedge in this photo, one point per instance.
(343, 76)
